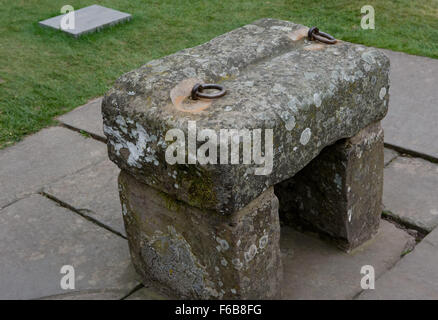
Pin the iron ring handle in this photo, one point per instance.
(315, 34)
(198, 88)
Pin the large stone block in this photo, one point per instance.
(193, 253)
(340, 192)
(310, 94)
(86, 118)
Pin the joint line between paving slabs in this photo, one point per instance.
(24, 196)
(79, 212)
(92, 135)
(134, 290)
(391, 161)
(73, 173)
(401, 224)
(411, 153)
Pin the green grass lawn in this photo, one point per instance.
(44, 73)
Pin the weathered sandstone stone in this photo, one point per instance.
(340, 191)
(211, 229)
(310, 94)
(195, 254)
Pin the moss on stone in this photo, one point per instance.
(171, 203)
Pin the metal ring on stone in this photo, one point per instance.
(198, 88)
(315, 34)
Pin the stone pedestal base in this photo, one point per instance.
(339, 193)
(197, 254)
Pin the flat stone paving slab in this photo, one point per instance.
(89, 19)
(412, 116)
(37, 237)
(314, 269)
(410, 192)
(94, 192)
(87, 118)
(45, 157)
(413, 277)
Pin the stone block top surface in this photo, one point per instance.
(89, 19)
(310, 94)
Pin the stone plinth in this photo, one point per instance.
(201, 218)
(198, 254)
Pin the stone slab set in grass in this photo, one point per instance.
(88, 19)
(305, 95)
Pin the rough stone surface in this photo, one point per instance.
(89, 19)
(313, 269)
(94, 192)
(389, 155)
(410, 192)
(87, 118)
(273, 82)
(196, 254)
(339, 192)
(413, 277)
(37, 238)
(42, 158)
(412, 118)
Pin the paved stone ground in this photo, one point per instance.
(38, 237)
(412, 116)
(59, 206)
(413, 277)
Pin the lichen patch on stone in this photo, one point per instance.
(305, 136)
